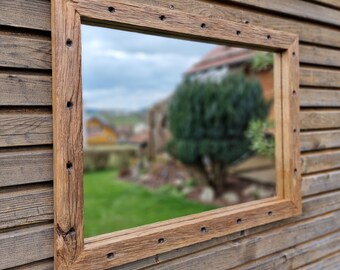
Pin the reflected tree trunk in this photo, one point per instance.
(213, 174)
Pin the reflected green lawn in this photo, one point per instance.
(111, 204)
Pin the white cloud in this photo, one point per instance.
(139, 57)
(123, 99)
(125, 70)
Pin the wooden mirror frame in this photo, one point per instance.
(72, 251)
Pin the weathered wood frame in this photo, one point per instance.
(105, 251)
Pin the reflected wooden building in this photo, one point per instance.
(99, 131)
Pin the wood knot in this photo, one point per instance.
(60, 232)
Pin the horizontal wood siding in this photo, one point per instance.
(20, 89)
(26, 245)
(310, 241)
(298, 256)
(25, 129)
(330, 262)
(33, 14)
(330, 3)
(25, 205)
(25, 166)
(26, 174)
(25, 52)
(257, 245)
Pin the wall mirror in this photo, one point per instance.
(173, 127)
(170, 129)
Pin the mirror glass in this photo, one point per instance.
(172, 127)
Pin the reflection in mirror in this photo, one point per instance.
(172, 128)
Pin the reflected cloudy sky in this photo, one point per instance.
(130, 71)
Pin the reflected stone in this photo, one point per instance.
(250, 191)
(187, 190)
(231, 197)
(207, 195)
(179, 182)
(145, 178)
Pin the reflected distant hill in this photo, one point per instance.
(120, 117)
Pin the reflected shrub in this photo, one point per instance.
(208, 122)
(94, 161)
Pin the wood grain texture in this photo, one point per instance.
(331, 3)
(330, 262)
(33, 14)
(25, 129)
(278, 108)
(319, 77)
(311, 97)
(182, 24)
(267, 243)
(297, 8)
(320, 204)
(176, 234)
(319, 56)
(291, 124)
(24, 52)
(319, 119)
(308, 32)
(25, 90)
(319, 140)
(313, 206)
(298, 256)
(320, 161)
(320, 182)
(15, 14)
(46, 264)
(25, 167)
(26, 205)
(26, 245)
(67, 136)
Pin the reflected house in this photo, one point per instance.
(140, 135)
(213, 66)
(99, 131)
(223, 60)
(141, 138)
(124, 132)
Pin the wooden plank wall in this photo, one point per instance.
(311, 241)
